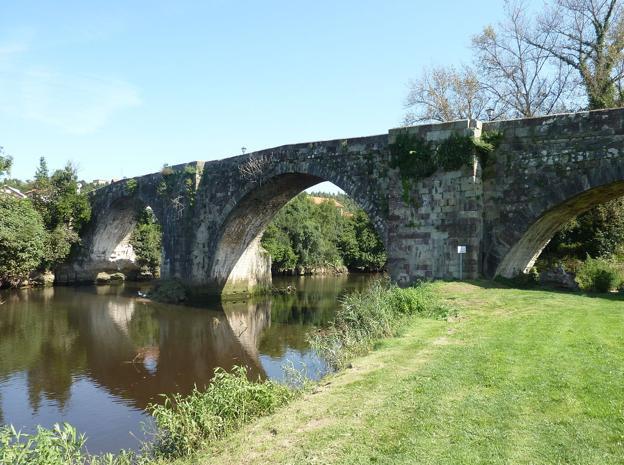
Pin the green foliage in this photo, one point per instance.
(599, 275)
(417, 158)
(170, 291)
(22, 239)
(59, 445)
(360, 246)
(185, 423)
(413, 156)
(486, 145)
(522, 280)
(63, 208)
(598, 233)
(131, 186)
(365, 317)
(454, 152)
(5, 162)
(308, 235)
(146, 241)
(58, 245)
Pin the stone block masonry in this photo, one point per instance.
(544, 172)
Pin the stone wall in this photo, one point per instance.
(545, 171)
(443, 212)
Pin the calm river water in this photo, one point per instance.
(97, 356)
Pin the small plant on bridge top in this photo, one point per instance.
(131, 186)
(178, 185)
(486, 145)
(251, 170)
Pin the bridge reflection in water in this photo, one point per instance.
(96, 357)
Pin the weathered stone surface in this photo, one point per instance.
(102, 278)
(212, 214)
(558, 277)
(44, 279)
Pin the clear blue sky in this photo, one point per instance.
(121, 87)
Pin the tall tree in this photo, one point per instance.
(445, 94)
(6, 162)
(521, 76)
(588, 36)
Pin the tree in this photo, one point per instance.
(597, 233)
(64, 210)
(146, 241)
(65, 204)
(6, 162)
(22, 240)
(521, 76)
(588, 36)
(446, 94)
(361, 247)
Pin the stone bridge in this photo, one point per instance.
(543, 172)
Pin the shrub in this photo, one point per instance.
(172, 292)
(364, 317)
(599, 275)
(231, 400)
(59, 445)
(22, 239)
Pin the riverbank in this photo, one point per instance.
(523, 376)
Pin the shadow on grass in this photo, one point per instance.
(496, 284)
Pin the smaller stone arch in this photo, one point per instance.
(105, 245)
(522, 256)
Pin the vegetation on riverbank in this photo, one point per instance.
(56, 203)
(320, 232)
(375, 313)
(521, 376)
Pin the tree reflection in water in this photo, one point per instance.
(97, 356)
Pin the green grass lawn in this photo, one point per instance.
(521, 377)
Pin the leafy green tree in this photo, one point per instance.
(361, 247)
(597, 233)
(146, 240)
(22, 240)
(5, 162)
(63, 208)
(309, 234)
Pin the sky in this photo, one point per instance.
(122, 87)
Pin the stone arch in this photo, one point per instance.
(109, 248)
(237, 263)
(523, 254)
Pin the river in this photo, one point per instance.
(97, 356)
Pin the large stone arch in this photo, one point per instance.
(229, 257)
(238, 260)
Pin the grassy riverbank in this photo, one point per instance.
(520, 377)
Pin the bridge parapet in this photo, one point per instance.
(543, 172)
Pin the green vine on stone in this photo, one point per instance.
(131, 186)
(417, 158)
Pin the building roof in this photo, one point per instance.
(12, 191)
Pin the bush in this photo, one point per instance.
(60, 445)
(599, 275)
(170, 292)
(146, 241)
(364, 317)
(231, 400)
(22, 240)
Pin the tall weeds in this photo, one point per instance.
(184, 423)
(59, 445)
(377, 312)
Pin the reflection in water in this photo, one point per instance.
(96, 357)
